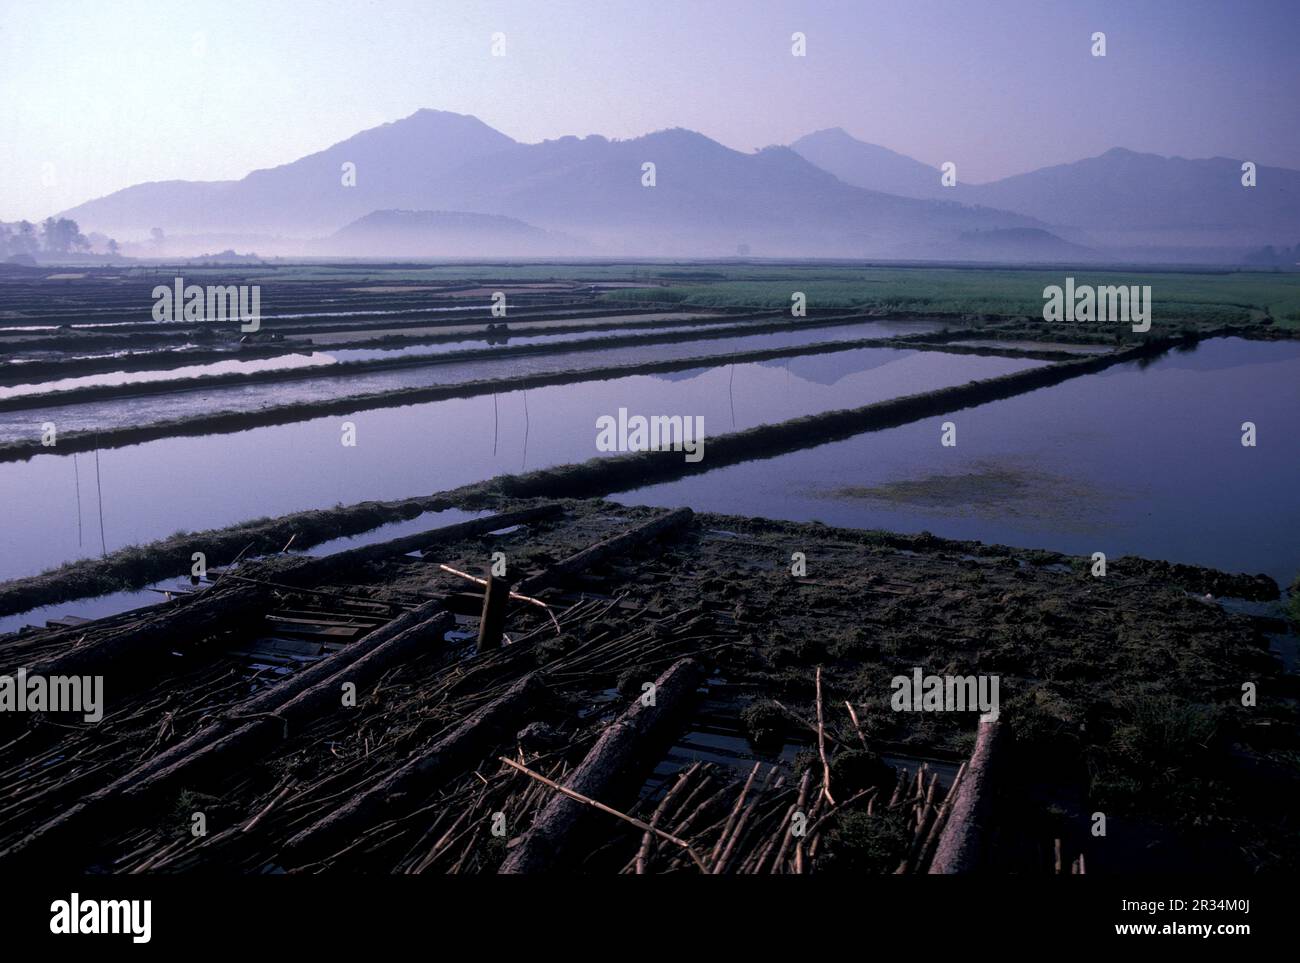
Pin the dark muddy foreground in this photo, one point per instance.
(1119, 695)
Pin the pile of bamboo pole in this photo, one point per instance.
(411, 709)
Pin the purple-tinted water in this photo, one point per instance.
(146, 409)
(156, 488)
(1141, 460)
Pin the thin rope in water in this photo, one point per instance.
(99, 489)
(731, 397)
(76, 475)
(524, 463)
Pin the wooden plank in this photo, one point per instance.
(330, 631)
(305, 620)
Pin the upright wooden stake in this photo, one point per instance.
(493, 622)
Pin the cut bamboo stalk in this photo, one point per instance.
(940, 819)
(821, 743)
(403, 789)
(778, 864)
(856, 726)
(731, 816)
(737, 831)
(569, 793)
(647, 840)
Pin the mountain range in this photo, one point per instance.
(444, 184)
(1119, 199)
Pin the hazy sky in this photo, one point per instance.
(96, 95)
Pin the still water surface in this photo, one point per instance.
(156, 488)
(1140, 460)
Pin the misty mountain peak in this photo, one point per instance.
(829, 134)
(675, 137)
(869, 166)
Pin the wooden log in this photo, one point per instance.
(492, 623)
(402, 790)
(961, 847)
(615, 765)
(609, 547)
(126, 644)
(115, 804)
(308, 703)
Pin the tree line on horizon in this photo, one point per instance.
(53, 236)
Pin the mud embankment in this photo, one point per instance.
(141, 565)
(109, 334)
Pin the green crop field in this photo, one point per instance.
(1177, 297)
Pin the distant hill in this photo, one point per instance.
(1123, 197)
(444, 234)
(870, 166)
(421, 181)
(1023, 244)
(1119, 199)
(706, 200)
(397, 166)
(833, 367)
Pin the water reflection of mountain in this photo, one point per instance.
(1219, 354)
(821, 369)
(828, 369)
(687, 375)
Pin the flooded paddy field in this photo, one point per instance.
(117, 378)
(201, 400)
(152, 489)
(167, 368)
(105, 313)
(1141, 459)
